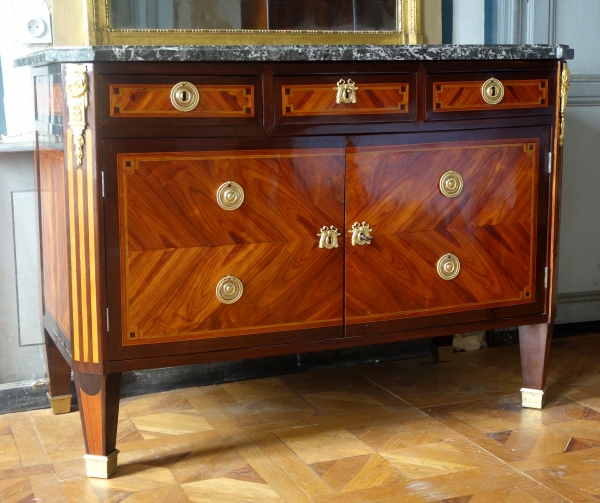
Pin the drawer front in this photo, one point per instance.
(365, 98)
(487, 95)
(150, 100)
(180, 242)
(131, 100)
(491, 227)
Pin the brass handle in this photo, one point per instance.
(448, 266)
(230, 196)
(451, 184)
(346, 92)
(492, 91)
(185, 96)
(329, 237)
(361, 234)
(229, 290)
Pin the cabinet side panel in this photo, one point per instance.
(53, 214)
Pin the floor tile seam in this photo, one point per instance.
(512, 468)
(381, 387)
(57, 480)
(300, 460)
(37, 434)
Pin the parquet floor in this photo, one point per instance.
(408, 431)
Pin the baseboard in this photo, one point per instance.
(30, 395)
(578, 307)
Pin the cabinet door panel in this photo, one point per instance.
(177, 243)
(491, 226)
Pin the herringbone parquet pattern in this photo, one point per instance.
(408, 431)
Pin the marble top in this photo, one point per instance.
(294, 53)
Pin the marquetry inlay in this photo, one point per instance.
(320, 99)
(154, 100)
(466, 95)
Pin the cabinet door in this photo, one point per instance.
(180, 236)
(438, 259)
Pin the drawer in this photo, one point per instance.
(180, 100)
(351, 99)
(191, 219)
(488, 95)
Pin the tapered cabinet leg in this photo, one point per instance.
(59, 377)
(534, 341)
(98, 398)
(442, 348)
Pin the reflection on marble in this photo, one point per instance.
(295, 53)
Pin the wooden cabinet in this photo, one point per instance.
(213, 211)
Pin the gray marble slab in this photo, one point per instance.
(295, 53)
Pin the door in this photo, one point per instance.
(455, 224)
(221, 247)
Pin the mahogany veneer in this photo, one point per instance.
(134, 242)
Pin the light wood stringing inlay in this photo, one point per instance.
(463, 96)
(134, 100)
(319, 99)
(83, 254)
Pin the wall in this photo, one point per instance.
(20, 329)
(468, 22)
(574, 23)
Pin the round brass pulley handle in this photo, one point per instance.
(451, 184)
(230, 196)
(185, 96)
(448, 266)
(492, 91)
(229, 290)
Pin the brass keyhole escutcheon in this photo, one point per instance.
(448, 267)
(229, 290)
(329, 237)
(346, 92)
(492, 91)
(185, 96)
(361, 234)
(230, 196)
(451, 184)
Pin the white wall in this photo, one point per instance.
(18, 88)
(468, 22)
(20, 327)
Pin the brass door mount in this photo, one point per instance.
(361, 234)
(329, 237)
(448, 266)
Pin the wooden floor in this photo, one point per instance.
(409, 431)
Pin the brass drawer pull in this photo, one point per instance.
(451, 184)
(230, 196)
(346, 92)
(229, 290)
(492, 91)
(329, 237)
(185, 96)
(361, 234)
(448, 267)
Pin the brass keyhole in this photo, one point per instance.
(185, 96)
(492, 91)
